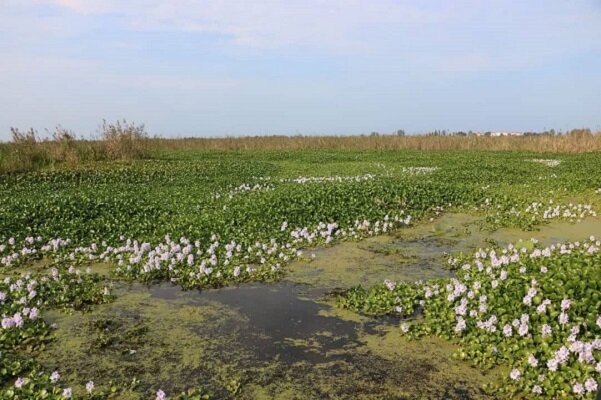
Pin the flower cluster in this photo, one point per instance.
(418, 170)
(245, 188)
(321, 179)
(547, 162)
(14, 253)
(537, 311)
(570, 211)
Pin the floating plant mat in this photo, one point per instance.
(285, 340)
(255, 341)
(420, 252)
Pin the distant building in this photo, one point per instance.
(503, 133)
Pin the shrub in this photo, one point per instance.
(124, 140)
(25, 152)
(64, 147)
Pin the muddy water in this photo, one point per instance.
(252, 342)
(284, 340)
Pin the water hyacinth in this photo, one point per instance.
(24, 299)
(181, 261)
(239, 219)
(190, 264)
(266, 184)
(556, 322)
(547, 162)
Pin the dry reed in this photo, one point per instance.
(569, 143)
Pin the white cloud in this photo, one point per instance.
(335, 25)
(464, 35)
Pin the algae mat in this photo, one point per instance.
(285, 340)
(255, 341)
(420, 252)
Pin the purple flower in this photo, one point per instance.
(590, 385)
(532, 360)
(55, 377)
(7, 323)
(90, 387)
(578, 388)
(20, 382)
(67, 393)
(460, 327)
(563, 318)
(515, 374)
(523, 329)
(546, 330)
(18, 320)
(161, 395)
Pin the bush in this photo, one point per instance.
(25, 152)
(123, 140)
(118, 141)
(64, 147)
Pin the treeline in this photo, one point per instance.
(444, 132)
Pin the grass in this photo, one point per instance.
(579, 141)
(119, 141)
(125, 141)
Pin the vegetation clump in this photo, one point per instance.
(536, 312)
(119, 141)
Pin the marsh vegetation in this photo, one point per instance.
(288, 274)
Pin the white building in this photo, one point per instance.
(503, 133)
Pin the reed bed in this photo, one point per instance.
(570, 143)
(123, 141)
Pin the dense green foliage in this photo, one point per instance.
(210, 219)
(148, 199)
(537, 311)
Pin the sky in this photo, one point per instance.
(234, 67)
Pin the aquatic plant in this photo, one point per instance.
(536, 311)
(214, 219)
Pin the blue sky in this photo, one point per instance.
(216, 68)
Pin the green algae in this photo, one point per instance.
(160, 343)
(420, 252)
(553, 232)
(389, 342)
(285, 340)
(164, 337)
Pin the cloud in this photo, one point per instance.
(173, 83)
(334, 25)
(276, 64)
(464, 35)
